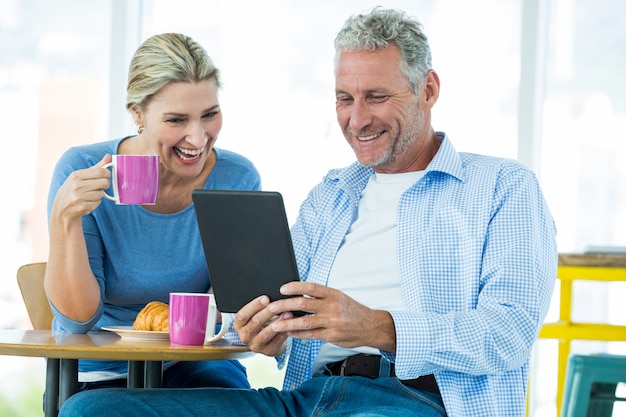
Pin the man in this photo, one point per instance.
(426, 272)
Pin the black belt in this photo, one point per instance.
(369, 366)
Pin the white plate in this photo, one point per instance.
(128, 333)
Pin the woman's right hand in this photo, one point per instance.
(82, 191)
(70, 283)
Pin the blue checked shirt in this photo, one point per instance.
(477, 259)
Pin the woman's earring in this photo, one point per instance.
(140, 129)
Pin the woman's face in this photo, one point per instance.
(181, 124)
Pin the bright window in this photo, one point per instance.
(62, 83)
(276, 59)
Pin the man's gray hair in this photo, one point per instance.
(378, 29)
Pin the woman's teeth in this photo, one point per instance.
(188, 154)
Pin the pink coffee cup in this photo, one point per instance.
(135, 179)
(193, 319)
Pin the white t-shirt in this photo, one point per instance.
(366, 267)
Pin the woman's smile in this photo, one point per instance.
(188, 155)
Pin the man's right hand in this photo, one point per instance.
(252, 323)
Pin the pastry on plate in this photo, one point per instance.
(154, 316)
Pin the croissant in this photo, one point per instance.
(154, 316)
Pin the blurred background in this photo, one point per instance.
(540, 81)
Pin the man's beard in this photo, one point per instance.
(400, 143)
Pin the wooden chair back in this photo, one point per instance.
(30, 280)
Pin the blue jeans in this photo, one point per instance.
(332, 396)
(226, 374)
(187, 374)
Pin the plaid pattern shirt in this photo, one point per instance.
(477, 257)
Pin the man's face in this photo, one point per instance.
(378, 112)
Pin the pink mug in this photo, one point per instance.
(135, 179)
(193, 319)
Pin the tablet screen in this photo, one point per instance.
(247, 244)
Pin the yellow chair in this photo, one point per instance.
(588, 267)
(30, 281)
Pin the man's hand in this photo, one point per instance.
(332, 316)
(253, 322)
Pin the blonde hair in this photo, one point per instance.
(163, 59)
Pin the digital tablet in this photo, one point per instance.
(247, 244)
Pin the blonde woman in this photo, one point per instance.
(107, 261)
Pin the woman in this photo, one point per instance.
(107, 261)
